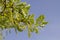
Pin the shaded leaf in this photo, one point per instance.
(44, 23)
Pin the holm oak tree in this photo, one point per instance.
(15, 14)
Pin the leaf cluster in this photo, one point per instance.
(15, 14)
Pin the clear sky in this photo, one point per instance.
(51, 9)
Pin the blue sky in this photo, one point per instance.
(51, 9)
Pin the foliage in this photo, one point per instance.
(15, 14)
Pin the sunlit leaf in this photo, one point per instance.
(41, 17)
(19, 29)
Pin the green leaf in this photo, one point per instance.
(29, 33)
(19, 29)
(26, 9)
(21, 4)
(16, 0)
(31, 19)
(9, 4)
(44, 23)
(23, 12)
(36, 30)
(41, 17)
